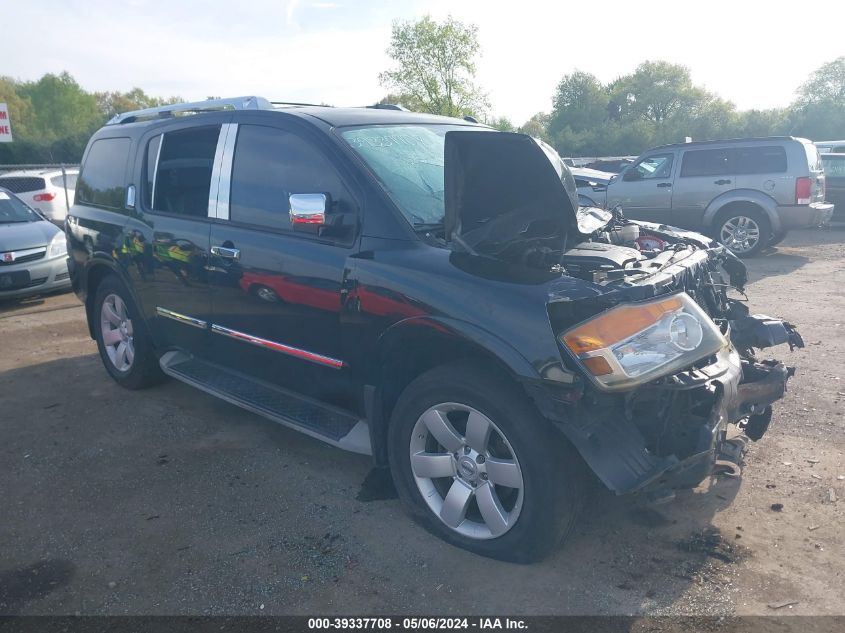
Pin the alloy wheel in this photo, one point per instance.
(466, 471)
(117, 332)
(741, 234)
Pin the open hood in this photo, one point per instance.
(503, 187)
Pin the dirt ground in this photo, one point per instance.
(169, 501)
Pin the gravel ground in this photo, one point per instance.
(169, 501)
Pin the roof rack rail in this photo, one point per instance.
(209, 105)
(298, 103)
(388, 106)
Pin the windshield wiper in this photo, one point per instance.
(420, 224)
(427, 226)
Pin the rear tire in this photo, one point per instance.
(122, 339)
(777, 238)
(744, 229)
(519, 493)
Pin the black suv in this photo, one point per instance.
(424, 290)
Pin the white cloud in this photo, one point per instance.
(290, 10)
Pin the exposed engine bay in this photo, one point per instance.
(680, 419)
(657, 342)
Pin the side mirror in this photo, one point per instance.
(308, 210)
(630, 175)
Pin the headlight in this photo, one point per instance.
(634, 343)
(58, 246)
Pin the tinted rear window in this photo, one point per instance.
(707, 162)
(59, 181)
(762, 159)
(103, 178)
(22, 184)
(185, 162)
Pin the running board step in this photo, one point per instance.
(332, 425)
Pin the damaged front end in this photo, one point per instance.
(673, 430)
(658, 359)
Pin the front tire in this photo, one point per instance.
(122, 340)
(476, 465)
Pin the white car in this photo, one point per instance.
(830, 147)
(592, 185)
(43, 190)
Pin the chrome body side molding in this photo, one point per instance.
(279, 347)
(181, 318)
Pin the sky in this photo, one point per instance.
(755, 53)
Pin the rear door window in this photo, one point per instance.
(760, 159)
(58, 181)
(102, 181)
(178, 171)
(707, 162)
(22, 184)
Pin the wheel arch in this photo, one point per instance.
(739, 197)
(97, 270)
(416, 345)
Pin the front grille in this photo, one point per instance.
(61, 276)
(22, 184)
(31, 257)
(37, 282)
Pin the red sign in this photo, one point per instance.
(5, 125)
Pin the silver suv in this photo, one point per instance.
(747, 193)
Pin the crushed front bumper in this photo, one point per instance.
(670, 434)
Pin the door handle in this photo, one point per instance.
(723, 181)
(226, 252)
(664, 184)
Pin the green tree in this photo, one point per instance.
(537, 126)
(62, 108)
(819, 110)
(502, 124)
(825, 85)
(762, 122)
(24, 149)
(112, 103)
(435, 67)
(656, 93)
(579, 103)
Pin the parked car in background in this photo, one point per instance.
(611, 165)
(834, 175)
(746, 193)
(830, 147)
(44, 190)
(591, 185)
(33, 251)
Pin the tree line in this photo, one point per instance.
(53, 118)
(434, 71)
(657, 103)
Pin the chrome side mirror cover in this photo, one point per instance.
(308, 210)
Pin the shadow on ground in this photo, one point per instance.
(799, 248)
(171, 501)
